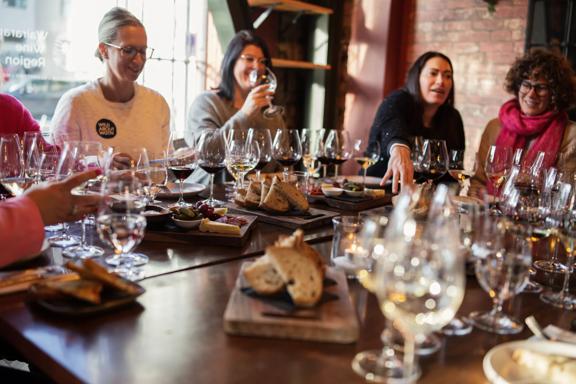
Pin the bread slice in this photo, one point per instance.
(85, 290)
(240, 197)
(303, 278)
(265, 188)
(262, 276)
(296, 241)
(296, 198)
(275, 200)
(94, 271)
(252, 199)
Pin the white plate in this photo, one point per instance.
(187, 224)
(370, 180)
(173, 190)
(499, 367)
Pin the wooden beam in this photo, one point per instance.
(291, 6)
(284, 63)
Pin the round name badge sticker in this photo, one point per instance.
(106, 128)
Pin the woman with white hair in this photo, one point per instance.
(114, 109)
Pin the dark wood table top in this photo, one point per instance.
(174, 334)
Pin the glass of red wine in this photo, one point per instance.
(287, 149)
(181, 163)
(338, 148)
(434, 159)
(211, 158)
(264, 140)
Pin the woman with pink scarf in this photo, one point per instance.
(544, 86)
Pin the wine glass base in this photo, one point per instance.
(532, 287)
(214, 203)
(273, 111)
(550, 266)
(378, 367)
(83, 252)
(560, 300)
(53, 228)
(498, 323)
(458, 326)
(132, 274)
(136, 259)
(182, 204)
(63, 241)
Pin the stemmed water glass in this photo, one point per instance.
(90, 154)
(338, 148)
(287, 149)
(502, 263)
(366, 156)
(154, 172)
(242, 154)
(264, 140)
(420, 282)
(212, 158)
(120, 222)
(497, 164)
(257, 77)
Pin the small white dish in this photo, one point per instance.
(332, 191)
(187, 224)
(354, 193)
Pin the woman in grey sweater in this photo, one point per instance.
(235, 103)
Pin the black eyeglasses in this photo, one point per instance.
(540, 89)
(131, 52)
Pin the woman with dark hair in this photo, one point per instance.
(423, 107)
(235, 103)
(544, 88)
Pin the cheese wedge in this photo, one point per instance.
(206, 225)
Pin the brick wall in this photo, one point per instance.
(481, 46)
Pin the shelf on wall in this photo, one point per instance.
(284, 63)
(291, 6)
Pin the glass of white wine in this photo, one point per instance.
(367, 156)
(242, 154)
(458, 170)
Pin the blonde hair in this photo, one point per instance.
(112, 21)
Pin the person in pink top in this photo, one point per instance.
(22, 219)
(15, 118)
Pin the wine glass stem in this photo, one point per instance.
(336, 166)
(569, 269)
(241, 179)
(364, 176)
(286, 173)
(409, 355)
(324, 170)
(83, 237)
(180, 185)
(211, 188)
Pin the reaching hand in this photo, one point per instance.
(121, 161)
(257, 99)
(56, 202)
(400, 168)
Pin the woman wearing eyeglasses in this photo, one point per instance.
(544, 88)
(114, 109)
(236, 102)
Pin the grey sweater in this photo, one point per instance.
(211, 111)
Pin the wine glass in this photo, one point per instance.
(181, 163)
(12, 166)
(89, 156)
(420, 277)
(258, 77)
(434, 159)
(287, 149)
(242, 154)
(338, 148)
(310, 140)
(67, 165)
(264, 140)
(457, 169)
(377, 365)
(502, 263)
(367, 156)
(155, 170)
(212, 158)
(31, 151)
(120, 222)
(497, 165)
(416, 155)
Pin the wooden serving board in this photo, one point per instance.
(333, 321)
(172, 233)
(314, 218)
(348, 203)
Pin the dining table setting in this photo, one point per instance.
(295, 277)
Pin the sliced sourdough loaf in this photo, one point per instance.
(252, 199)
(275, 200)
(296, 198)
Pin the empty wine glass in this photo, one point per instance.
(366, 156)
(12, 172)
(242, 154)
(497, 164)
(266, 76)
(212, 158)
(155, 168)
(287, 149)
(502, 264)
(89, 155)
(338, 148)
(434, 159)
(120, 222)
(264, 140)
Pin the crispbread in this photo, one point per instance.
(262, 277)
(85, 290)
(302, 276)
(275, 200)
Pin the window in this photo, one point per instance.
(43, 57)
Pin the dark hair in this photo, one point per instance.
(412, 84)
(235, 48)
(547, 65)
(111, 22)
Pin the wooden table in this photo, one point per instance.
(175, 335)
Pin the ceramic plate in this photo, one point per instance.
(370, 180)
(500, 368)
(172, 190)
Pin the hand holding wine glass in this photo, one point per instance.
(266, 76)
